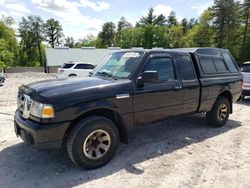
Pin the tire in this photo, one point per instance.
(72, 75)
(93, 142)
(219, 114)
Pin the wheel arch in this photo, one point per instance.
(227, 94)
(72, 74)
(105, 112)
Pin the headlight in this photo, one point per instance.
(42, 110)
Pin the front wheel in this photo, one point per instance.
(219, 114)
(93, 142)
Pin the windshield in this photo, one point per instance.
(245, 68)
(119, 65)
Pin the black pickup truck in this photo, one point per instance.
(129, 88)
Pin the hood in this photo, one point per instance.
(55, 87)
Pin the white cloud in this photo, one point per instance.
(17, 8)
(14, 7)
(98, 6)
(73, 20)
(162, 9)
(3, 13)
(201, 7)
(16, 14)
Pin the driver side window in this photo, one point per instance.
(164, 67)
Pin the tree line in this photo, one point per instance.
(225, 25)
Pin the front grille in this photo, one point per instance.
(23, 104)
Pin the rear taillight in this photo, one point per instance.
(241, 84)
(60, 71)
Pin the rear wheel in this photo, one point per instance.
(93, 142)
(219, 114)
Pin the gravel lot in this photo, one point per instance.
(180, 152)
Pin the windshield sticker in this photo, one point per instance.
(131, 54)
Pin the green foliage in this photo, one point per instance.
(152, 19)
(172, 20)
(31, 33)
(88, 41)
(107, 35)
(245, 16)
(69, 41)
(8, 44)
(53, 32)
(202, 34)
(131, 37)
(6, 57)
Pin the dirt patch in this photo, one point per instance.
(180, 152)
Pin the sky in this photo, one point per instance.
(80, 18)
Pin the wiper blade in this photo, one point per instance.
(107, 74)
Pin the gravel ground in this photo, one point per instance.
(180, 152)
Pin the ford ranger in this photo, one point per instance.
(129, 88)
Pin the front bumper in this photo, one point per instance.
(48, 136)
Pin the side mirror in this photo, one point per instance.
(148, 77)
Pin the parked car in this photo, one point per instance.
(2, 79)
(130, 88)
(71, 69)
(245, 69)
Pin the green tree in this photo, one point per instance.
(151, 19)
(37, 27)
(226, 20)
(153, 30)
(8, 45)
(107, 35)
(6, 56)
(31, 33)
(192, 22)
(147, 20)
(175, 34)
(160, 20)
(121, 25)
(131, 37)
(88, 41)
(172, 20)
(184, 24)
(69, 41)
(53, 32)
(202, 34)
(245, 15)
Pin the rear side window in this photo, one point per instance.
(67, 65)
(207, 65)
(90, 66)
(245, 68)
(81, 66)
(186, 67)
(213, 65)
(230, 63)
(220, 65)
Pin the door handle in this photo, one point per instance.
(177, 87)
